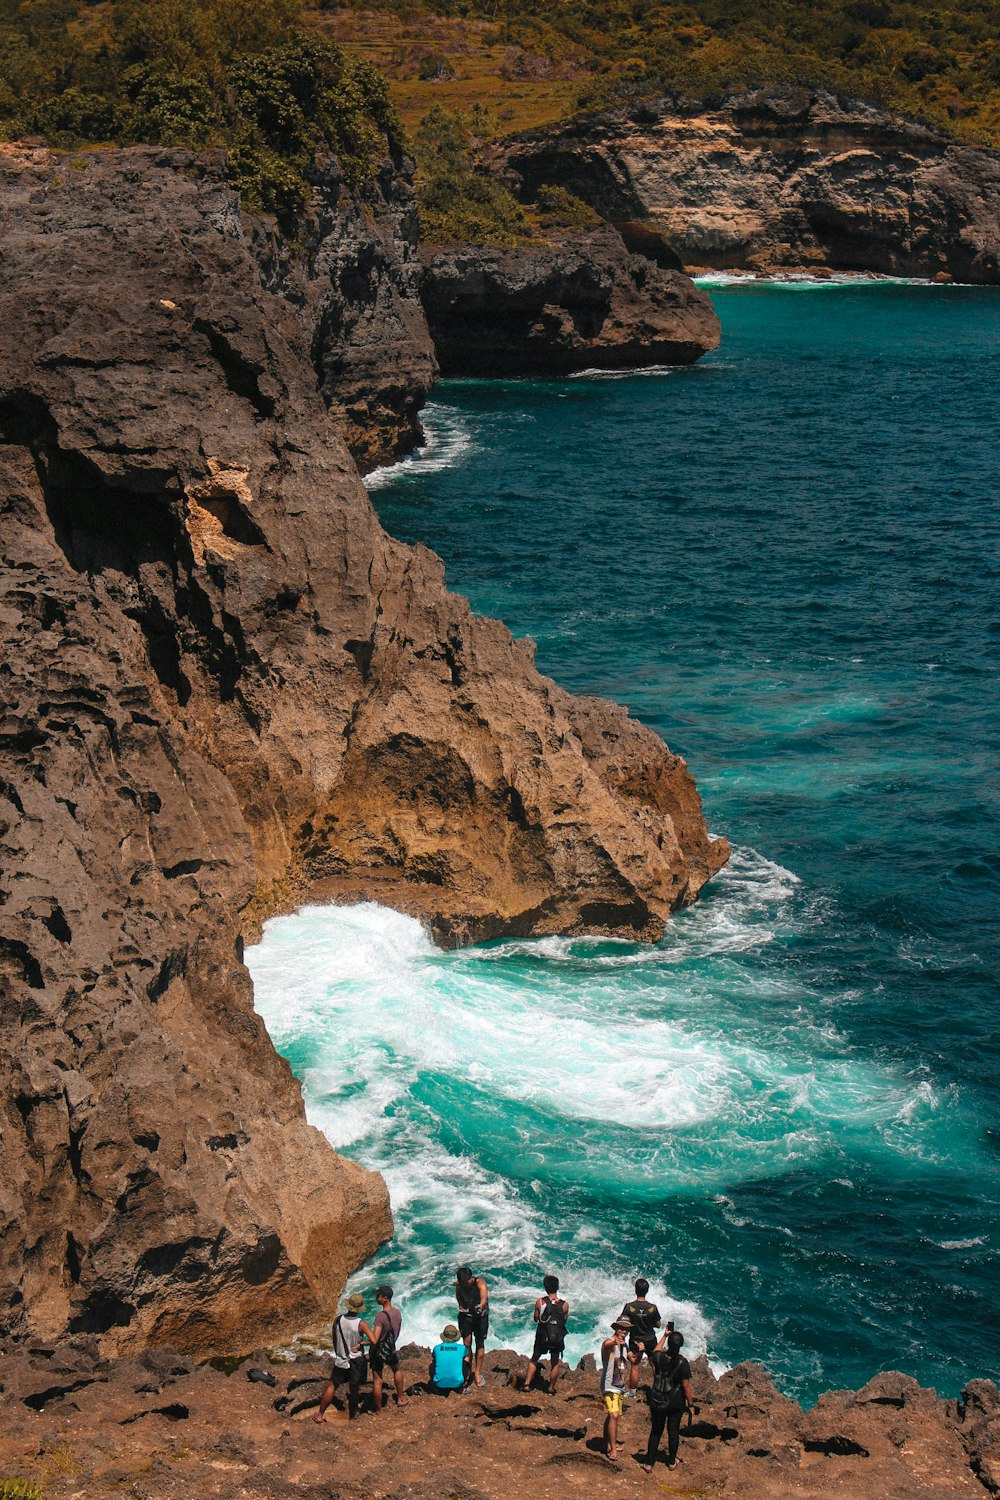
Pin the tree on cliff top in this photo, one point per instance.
(235, 73)
(456, 203)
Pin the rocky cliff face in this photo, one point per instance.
(776, 179)
(579, 301)
(220, 675)
(355, 284)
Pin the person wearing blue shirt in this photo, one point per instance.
(451, 1365)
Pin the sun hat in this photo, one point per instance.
(449, 1333)
(622, 1323)
(355, 1303)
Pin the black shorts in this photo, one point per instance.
(642, 1343)
(355, 1376)
(542, 1351)
(474, 1325)
(390, 1362)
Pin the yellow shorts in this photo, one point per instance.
(613, 1403)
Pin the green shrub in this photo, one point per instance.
(20, 1489)
(169, 109)
(455, 202)
(233, 73)
(434, 67)
(559, 209)
(74, 116)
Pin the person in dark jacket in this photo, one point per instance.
(669, 1398)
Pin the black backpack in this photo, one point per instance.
(667, 1390)
(386, 1346)
(552, 1325)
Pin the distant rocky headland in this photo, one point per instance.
(779, 178)
(224, 687)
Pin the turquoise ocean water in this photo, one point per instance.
(786, 1114)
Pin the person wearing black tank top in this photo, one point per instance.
(473, 1316)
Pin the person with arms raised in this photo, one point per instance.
(669, 1398)
(615, 1361)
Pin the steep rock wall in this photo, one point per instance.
(781, 178)
(354, 280)
(578, 301)
(218, 674)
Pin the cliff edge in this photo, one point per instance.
(156, 1427)
(223, 685)
(777, 179)
(575, 302)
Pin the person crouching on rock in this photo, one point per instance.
(669, 1398)
(473, 1316)
(615, 1361)
(385, 1341)
(451, 1363)
(551, 1314)
(349, 1362)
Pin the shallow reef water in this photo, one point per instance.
(786, 559)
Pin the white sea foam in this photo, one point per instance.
(641, 371)
(960, 1244)
(810, 280)
(492, 1085)
(447, 442)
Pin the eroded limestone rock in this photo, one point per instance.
(218, 677)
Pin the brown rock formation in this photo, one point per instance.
(217, 667)
(781, 178)
(156, 1427)
(576, 302)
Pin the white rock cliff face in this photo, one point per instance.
(772, 180)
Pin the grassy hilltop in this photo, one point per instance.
(535, 61)
(277, 82)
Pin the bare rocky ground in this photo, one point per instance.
(159, 1426)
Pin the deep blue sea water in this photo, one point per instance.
(787, 1114)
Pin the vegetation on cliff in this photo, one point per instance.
(459, 205)
(538, 60)
(235, 73)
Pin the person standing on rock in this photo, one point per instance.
(384, 1350)
(349, 1362)
(615, 1360)
(473, 1316)
(669, 1398)
(644, 1316)
(551, 1315)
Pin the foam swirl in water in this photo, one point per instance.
(543, 1104)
